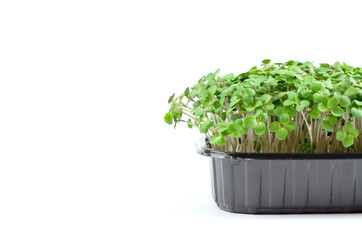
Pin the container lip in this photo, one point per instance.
(279, 156)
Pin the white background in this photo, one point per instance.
(84, 151)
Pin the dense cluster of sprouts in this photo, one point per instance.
(277, 108)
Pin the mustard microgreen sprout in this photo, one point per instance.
(278, 107)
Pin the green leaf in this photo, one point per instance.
(213, 139)
(325, 101)
(274, 126)
(204, 93)
(337, 95)
(315, 114)
(308, 64)
(299, 108)
(348, 126)
(243, 130)
(210, 76)
(316, 86)
(348, 141)
(187, 91)
(212, 90)
(357, 113)
(203, 129)
(266, 98)
(263, 117)
(337, 111)
(226, 92)
(291, 112)
(266, 61)
(332, 119)
(232, 127)
(224, 133)
(337, 66)
(239, 123)
(322, 108)
(216, 104)
(271, 81)
(284, 118)
(292, 96)
(290, 126)
(295, 69)
(346, 83)
(345, 66)
(236, 134)
(351, 91)
(328, 126)
(308, 80)
(223, 116)
(208, 109)
(234, 117)
(306, 93)
(258, 103)
(304, 103)
(250, 122)
(248, 99)
(341, 134)
(282, 133)
(234, 102)
(250, 91)
(288, 102)
(283, 72)
(222, 126)
(208, 123)
(171, 98)
(168, 118)
(177, 113)
(317, 97)
(199, 112)
(269, 106)
(259, 128)
(354, 133)
(345, 101)
(220, 140)
(311, 70)
(278, 111)
(337, 74)
(228, 76)
(189, 125)
(249, 109)
(332, 103)
(359, 103)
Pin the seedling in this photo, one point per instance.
(278, 108)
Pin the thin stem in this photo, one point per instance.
(187, 123)
(309, 130)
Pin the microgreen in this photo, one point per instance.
(281, 107)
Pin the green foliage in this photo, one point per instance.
(168, 118)
(282, 107)
(347, 135)
(250, 122)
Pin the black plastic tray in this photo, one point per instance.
(286, 182)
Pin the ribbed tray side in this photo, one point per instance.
(287, 186)
(296, 182)
(358, 185)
